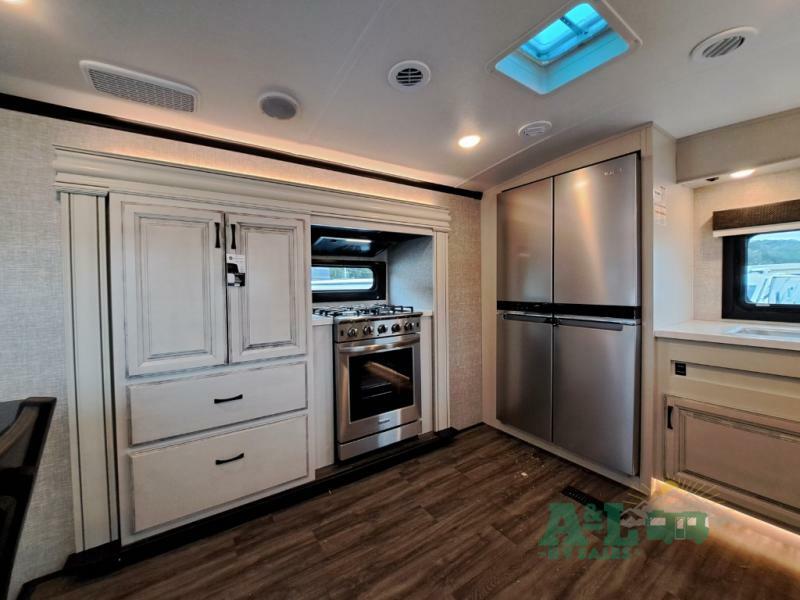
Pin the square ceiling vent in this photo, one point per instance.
(575, 40)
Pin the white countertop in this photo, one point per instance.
(762, 334)
(320, 320)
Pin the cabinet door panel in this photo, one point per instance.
(173, 288)
(267, 316)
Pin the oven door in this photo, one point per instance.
(377, 386)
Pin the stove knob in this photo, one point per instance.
(381, 328)
(368, 330)
(352, 332)
(409, 326)
(395, 327)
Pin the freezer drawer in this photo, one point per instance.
(525, 243)
(596, 238)
(596, 391)
(524, 373)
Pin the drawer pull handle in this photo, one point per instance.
(222, 461)
(231, 399)
(386, 420)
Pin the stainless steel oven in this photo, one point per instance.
(377, 382)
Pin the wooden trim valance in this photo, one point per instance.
(778, 216)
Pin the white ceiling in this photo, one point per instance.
(334, 56)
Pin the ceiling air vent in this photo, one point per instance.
(139, 87)
(535, 129)
(722, 43)
(409, 75)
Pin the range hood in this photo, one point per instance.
(358, 243)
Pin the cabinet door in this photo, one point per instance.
(267, 316)
(173, 288)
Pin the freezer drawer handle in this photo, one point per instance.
(528, 318)
(231, 399)
(589, 324)
(222, 461)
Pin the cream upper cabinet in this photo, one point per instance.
(171, 283)
(267, 316)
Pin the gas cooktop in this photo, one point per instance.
(341, 313)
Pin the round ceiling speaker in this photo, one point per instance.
(279, 105)
(534, 129)
(409, 75)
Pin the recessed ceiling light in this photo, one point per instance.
(469, 141)
(742, 174)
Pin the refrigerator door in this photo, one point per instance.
(596, 221)
(524, 372)
(525, 244)
(596, 391)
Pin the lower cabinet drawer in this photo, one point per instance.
(177, 481)
(165, 409)
(741, 453)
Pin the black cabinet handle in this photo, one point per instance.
(216, 226)
(669, 417)
(222, 461)
(231, 399)
(233, 237)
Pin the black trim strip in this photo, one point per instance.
(76, 115)
(580, 310)
(112, 556)
(592, 310)
(533, 307)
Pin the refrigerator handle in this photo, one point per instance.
(611, 326)
(528, 318)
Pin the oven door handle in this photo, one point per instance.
(377, 347)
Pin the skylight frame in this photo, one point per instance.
(598, 49)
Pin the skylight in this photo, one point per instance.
(585, 36)
(577, 27)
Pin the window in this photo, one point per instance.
(761, 276)
(580, 40)
(336, 280)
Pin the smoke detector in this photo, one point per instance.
(409, 75)
(139, 87)
(279, 105)
(534, 129)
(722, 44)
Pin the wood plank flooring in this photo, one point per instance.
(460, 523)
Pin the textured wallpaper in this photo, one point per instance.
(32, 356)
(762, 189)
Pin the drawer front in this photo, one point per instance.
(169, 408)
(177, 481)
(743, 452)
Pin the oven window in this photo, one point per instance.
(381, 383)
(340, 281)
(761, 276)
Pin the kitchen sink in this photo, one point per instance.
(784, 332)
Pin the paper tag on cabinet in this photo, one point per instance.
(659, 206)
(235, 269)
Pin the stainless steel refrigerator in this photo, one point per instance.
(568, 334)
